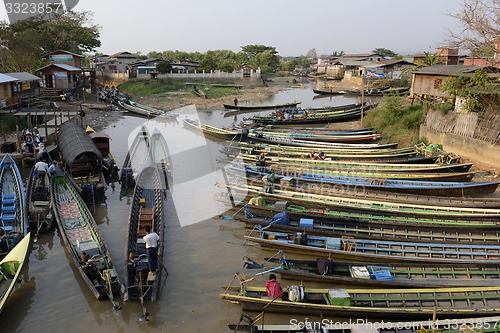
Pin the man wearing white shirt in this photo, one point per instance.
(152, 240)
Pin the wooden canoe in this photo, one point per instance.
(13, 209)
(350, 249)
(146, 209)
(395, 232)
(302, 145)
(291, 109)
(83, 240)
(10, 268)
(137, 154)
(260, 107)
(39, 203)
(205, 129)
(368, 187)
(145, 110)
(383, 275)
(449, 325)
(318, 118)
(369, 218)
(378, 303)
(373, 206)
(160, 155)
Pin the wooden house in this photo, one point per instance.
(143, 67)
(369, 57)
(62, 57)
(61, 77)
(427, 81)
(117, 63)
(8, 101)
(28, 88)
(389, 69)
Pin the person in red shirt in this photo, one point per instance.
(273, 287)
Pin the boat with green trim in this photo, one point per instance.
(10, 268)
(378, 303)
(385, 275)
(384, 208)
(83, 240)
(351, 249)
(221, 133)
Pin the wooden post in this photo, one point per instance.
(55, 126)
(362, 94)
(46, 130)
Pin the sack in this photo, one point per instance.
(296, 294)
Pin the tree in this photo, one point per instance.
(480, 27)
(311, 54)
(386, 53)
(430, 59)
(164, 66)
(338, 53)
(470, 88)
(261, 56)
(24, 42)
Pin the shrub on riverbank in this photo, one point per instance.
(396, 120)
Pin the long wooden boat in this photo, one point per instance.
(369, 148)
(102, 142)
(350, 249)
(160, 155)
(282, 222)
(384, 275)
(146, 209)
(378, 303)
(354, 137)
(256, 324)
(290, 141)
(83, 240)
(83, 161)
(145, 110)
(307, 131)
(328, 92)
(364, 186)
(39, 203)
(311, 167)
(296, 110)
(259, 207)
(198, 92)
(10, 268)
(220, 133)
(317, 118)
(380, 92)
(13, 213)
(137, 154)
(260, 107)
(375, 207)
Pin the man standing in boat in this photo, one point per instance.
(152, 240)
(235, 101)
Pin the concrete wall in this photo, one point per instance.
(477, 151)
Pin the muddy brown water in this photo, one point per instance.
(201, 257)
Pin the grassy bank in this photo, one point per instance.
(397, 120)
(161, 87)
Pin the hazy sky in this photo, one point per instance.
(292, 26)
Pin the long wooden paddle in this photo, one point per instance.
(162, 264)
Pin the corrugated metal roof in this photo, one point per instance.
(75, 143)
(63, 51)
(448, 70)
(25, 76)
(68, 68)
(4, 78)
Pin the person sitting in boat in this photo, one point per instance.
(152, 241)
(244, 134)
(53, 168)
(261, 161)
(273, 287)
(287, 115)
(312, 155)
(321, 155)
